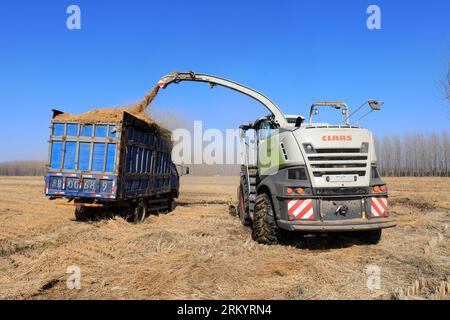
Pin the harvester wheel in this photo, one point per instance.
(370, 236)
(243, 207)
(265, 229)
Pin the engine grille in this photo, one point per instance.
(323, 173)
(341, 191)
(341, 150)
(339, 161)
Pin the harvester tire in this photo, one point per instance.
(265, 229)
(243, 207)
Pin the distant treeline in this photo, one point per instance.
(37, 168)
(22, 168)
(214, 169)
(415, 155)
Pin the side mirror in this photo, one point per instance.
(182, 170)
(298, 122)
(316, 111)
(375, 105)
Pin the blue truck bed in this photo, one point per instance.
(109, 162)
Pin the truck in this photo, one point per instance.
(120, 167)
(310, 178)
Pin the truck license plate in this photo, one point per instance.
(89, 185)
(342, 178)
(73, 184)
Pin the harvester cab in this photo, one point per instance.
(312, 178)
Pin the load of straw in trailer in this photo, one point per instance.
(115, 115)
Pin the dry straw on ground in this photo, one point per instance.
(200, 251)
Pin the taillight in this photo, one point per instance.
(298, 190)
(377, 189)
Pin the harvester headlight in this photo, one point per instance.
(364, 147)
(297, 174)
(308, 148)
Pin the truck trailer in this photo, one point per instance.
(121, 167)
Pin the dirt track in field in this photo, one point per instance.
(200, 251)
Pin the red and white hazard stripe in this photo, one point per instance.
(301, 208)
(379, 207)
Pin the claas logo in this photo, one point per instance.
(336, 138)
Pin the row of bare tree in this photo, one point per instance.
(414, 155)
(37, 168)
(22, 168)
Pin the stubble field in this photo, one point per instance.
(199, 251)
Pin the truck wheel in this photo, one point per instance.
(265, 229)
(170, 204)
(138, 213)
(243, 207)
(83, 214)
(370, 236)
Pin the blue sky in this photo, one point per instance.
(296, 52)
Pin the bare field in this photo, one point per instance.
(199, 251)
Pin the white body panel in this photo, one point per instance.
(337, 160)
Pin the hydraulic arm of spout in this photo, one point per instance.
(176, 77)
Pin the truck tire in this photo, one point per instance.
(370, 236)
(137, 213)
(265, 229)
(243, 207)
(170, 204)
(84, 214)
